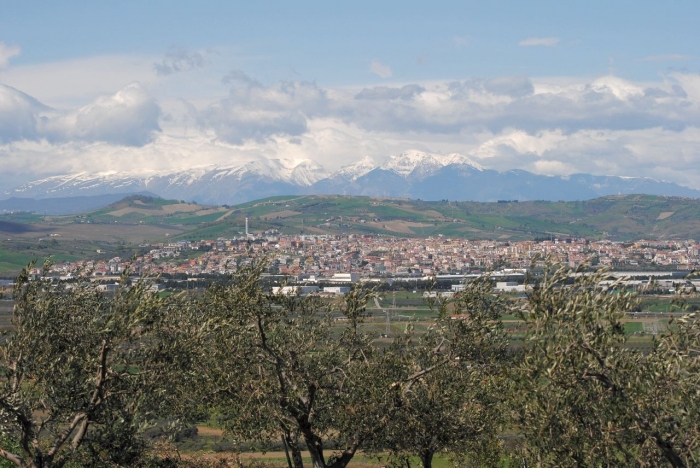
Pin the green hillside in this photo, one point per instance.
(622, 218)
(616, 217)
(118, 228)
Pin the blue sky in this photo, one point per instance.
(332, 42)
(607, 87)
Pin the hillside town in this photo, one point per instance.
(325, 257)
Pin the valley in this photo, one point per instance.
(132, 225)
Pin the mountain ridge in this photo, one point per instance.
(412, 174)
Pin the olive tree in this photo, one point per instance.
(76, 383)
(296, 368)
(453, 398)
(584, 397)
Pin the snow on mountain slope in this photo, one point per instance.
(413, 174)
(409, 161)
(71, 183)
(303, 173)
(190, 181)
(360, 168)
(419, 164)
(456, 158)
(307, 173)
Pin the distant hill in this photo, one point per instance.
(154, 210)
(412, 174)
(61, 205)
(619, 217)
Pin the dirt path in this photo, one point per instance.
(224, 216)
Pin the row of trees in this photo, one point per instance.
(85, 374)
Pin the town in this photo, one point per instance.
(354, 257)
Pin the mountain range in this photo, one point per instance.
(412, 174)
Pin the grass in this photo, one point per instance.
(616, 217)
(278, 460)
(665, 304)
(13, 261)
(213, 231)
(210, 440)
(623, 217)
(16, 254)
(22, 217)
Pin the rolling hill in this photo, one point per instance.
(119, 228)
(618, 217)
(624, 217)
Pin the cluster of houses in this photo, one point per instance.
(348, 258)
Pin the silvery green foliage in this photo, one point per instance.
(281, 367)
(452, 398)
(586, 398)
(76, 383)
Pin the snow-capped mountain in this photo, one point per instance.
(411, 174)
(408, 165)
(206, 184)
(417, 163)
(360, 168)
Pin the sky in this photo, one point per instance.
(552, 87)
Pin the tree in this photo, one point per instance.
(586, 398)
(75, 376)
(452, 401)
(294, 367)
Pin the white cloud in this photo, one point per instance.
(656, 152)
(539, 42)
(129, 117)
(76, 82)
(253, 111)
(179, 60)
(6, 53)
(19, 114)
(493, 105)
(606, 125)
(519, 141)
(382, 70)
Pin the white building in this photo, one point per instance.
(345, 278)
(435, 294)
(509, 286)
(336, 289)
(295, 290)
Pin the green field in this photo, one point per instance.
(626, 217)
(615, 217)
(139, 219)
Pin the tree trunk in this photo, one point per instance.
(315, 446)
(286, 452)
(426, 458)
(317, 458)
(292, 444)
(296, 457)
(344, 459)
